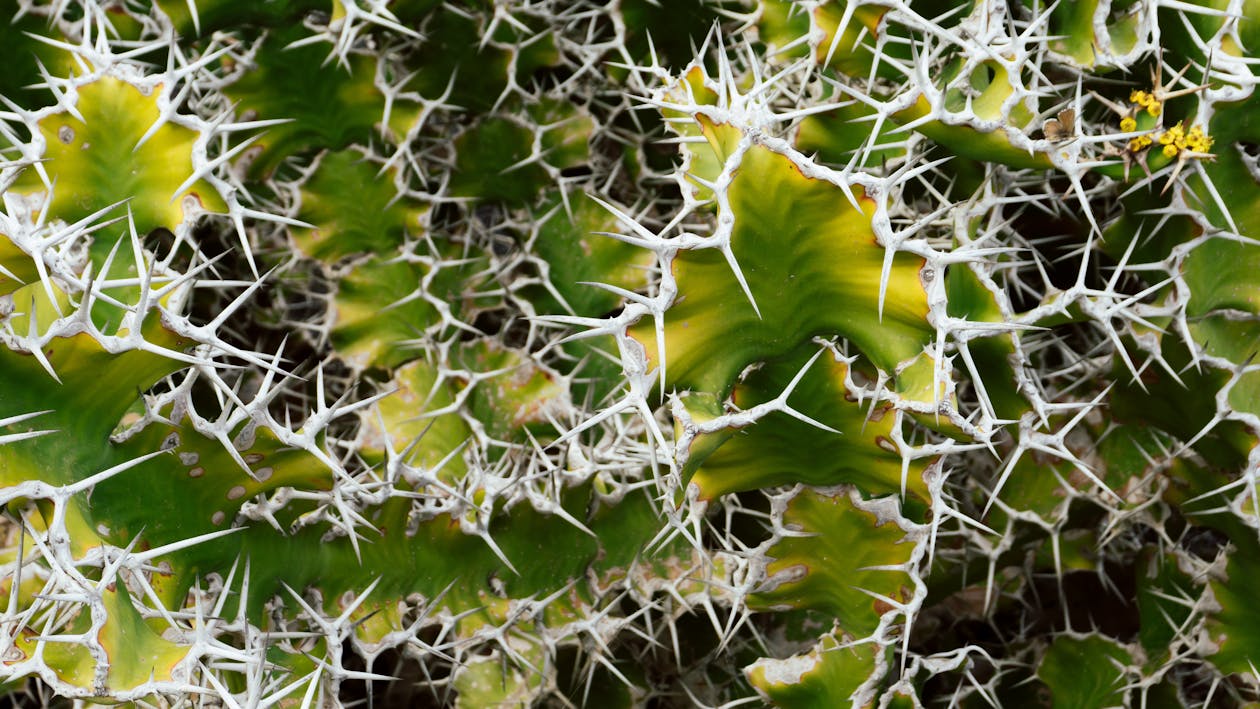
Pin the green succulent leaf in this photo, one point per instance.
(841, 555)
(569, 239)
(328, 106)
(354, 207)
(135, 651)
(782, 449)
(387, 310)
(94, 158)
(494, 682)
(1162, 585)
(811, 263)
(829, 675)
(1231, 625)
(17, 267)
(1085, 671)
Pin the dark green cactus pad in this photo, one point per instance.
(853, 560)
(95, 159)
(780, 449)
(826, 676)
(327, 105)
(354, 207)
(1085, 671)
(790, 233)
(569, 239)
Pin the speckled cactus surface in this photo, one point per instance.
(625, 353)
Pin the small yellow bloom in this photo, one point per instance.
(1138, 97)
(1139, 143)
(1174, 136)
(1170, 151)
(1128, 124)
(1198, 141)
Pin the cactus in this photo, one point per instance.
(807, 353)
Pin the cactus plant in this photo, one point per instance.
(798, 352)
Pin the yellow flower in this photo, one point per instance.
(1139, 143)
(1174, 136)
(1198, 141)
(1128, 124)
(1142, 99)
(1170, 151)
